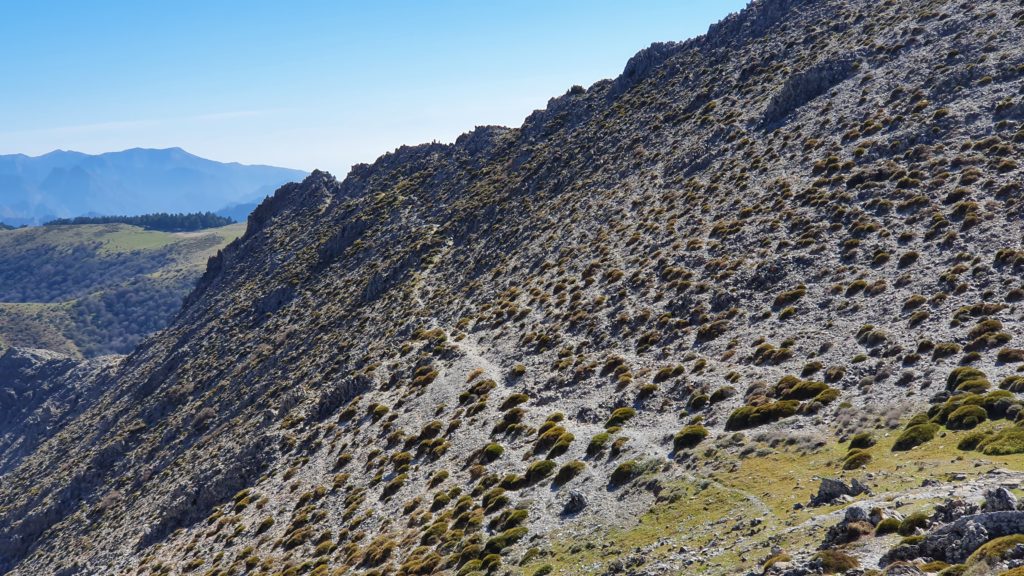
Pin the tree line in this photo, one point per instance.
(162, 221)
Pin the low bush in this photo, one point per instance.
(568, 471)
(689, 437)
(620, 416)
(963, 374)
(1009, 440)
(915, 436)
(862, 440)
(856, 458)
(538, 471)
(972, 440)
(966, 418)
(597, 443)
(887, 526)
(625, 472)
(793, 388)
(912, 522)
(836, 561)
(491, 452)
(751, 416)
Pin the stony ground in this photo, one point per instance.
(632, 335)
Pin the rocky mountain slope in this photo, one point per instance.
(631, 336)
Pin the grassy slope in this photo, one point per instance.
(717, 504)
(50, 324)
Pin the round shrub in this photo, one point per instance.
(597, 443)
(962, 374)
(1013, 383)
(856, 458)
(538, 471)
(625, 472)
(836, 561)
(911, 523)
(750, 416)
(620, 416)
(966, 417)
(887, 526)
(689, 437)
(568, 471)
(561, 445)
(862, 440)
(491, 452)
(1009, 440)
(972, 440)
(915, 436)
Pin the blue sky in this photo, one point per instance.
(306, 84)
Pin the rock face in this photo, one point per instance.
(40, 391)
(645, 294)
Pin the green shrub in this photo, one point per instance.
(544, 570)
(995, 550)
(789, 296)
(538, 471)
(689, 437)
(597, 443)
(394, 486)
(793, 388)
(836, 561)
(625, 472)
(507, 538)
(855, 459)
(491, 452)
(912, 522)
(568, 471)
(620, 416)
(862, 440)
(1009, 440)
(915, 436)
(962, 374)
(887, 526)
(494, 498)
(721, 394)
(1010, 355)
(751, 416)
(966, 417)
(561, 446)
(514, 400)
(971, 441)
(827, 396)
(1013, 384)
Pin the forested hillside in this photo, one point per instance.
(91, 289)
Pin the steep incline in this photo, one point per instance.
(476, 357)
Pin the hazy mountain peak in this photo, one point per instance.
(66, 183)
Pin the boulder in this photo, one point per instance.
(952, 510)
(1000, 499)
(833, 489)
(575, 503)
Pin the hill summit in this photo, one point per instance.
(751, 307)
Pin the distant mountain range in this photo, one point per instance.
(136, 181)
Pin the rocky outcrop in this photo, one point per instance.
(955, 542)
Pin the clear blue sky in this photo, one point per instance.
(306, 84)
